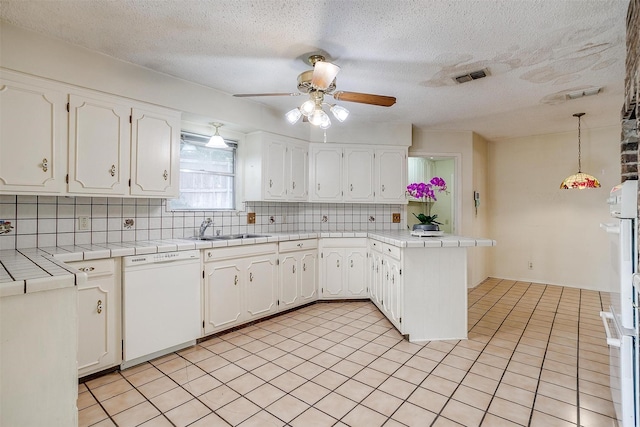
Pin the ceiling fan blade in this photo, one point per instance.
(364, 98)
(323, 74)
(247, 95)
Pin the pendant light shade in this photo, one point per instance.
(579, 180)
(216, 140)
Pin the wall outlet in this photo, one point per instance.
(84, 223)
(251, 218)
(395, 218)
(530, 265)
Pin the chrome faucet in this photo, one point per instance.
(203, 227)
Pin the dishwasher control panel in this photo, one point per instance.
(161, 257)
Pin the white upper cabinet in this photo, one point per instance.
(57, 138)
(391, 175)
(99, 144)
(358, 170)
(325, 173)
(276, 168)
(33, 135)
(155, 157)
(353, 173)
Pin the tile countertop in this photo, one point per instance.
(37, 269)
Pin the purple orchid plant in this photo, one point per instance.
(426, 192)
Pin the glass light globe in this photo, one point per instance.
(308, 107)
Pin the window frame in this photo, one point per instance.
(201, 140)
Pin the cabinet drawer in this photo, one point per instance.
(392, 251)
(298, 245)
(240, 251)
(376, 246)
(96, 267)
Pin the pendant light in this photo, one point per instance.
(216, 140)
(579, 180)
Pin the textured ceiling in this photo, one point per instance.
(535, 51)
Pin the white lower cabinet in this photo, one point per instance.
(343, 268)
(99, 313)
(298, 273)
(385, 271)
(240, 285)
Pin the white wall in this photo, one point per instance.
(479, 260)
(470, 149)
(534, 221)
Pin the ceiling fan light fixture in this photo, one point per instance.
(579, 180)
(293, 116)
(308, 107)
(216, 140)
(318, 117)
(339, 112)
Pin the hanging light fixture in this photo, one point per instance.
(579, 180)
(216, 140)
(314, 113)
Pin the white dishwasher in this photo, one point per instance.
(161, 304)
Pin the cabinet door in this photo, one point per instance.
(395, 293)
(356, 272)
(275, 178)
(308, 277)
(326, 174)
(374, 270)
(155, 139)
(261, 286)
(332, 280)
(33, 135)
(391, 172)
(97, 323)
(99, 145)
(222, 295)
(289, 274)
(299, 172)
(358, 170)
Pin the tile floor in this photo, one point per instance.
(536, 356)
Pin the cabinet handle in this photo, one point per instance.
(299, 245)
(45, 164)
(318, 186)
(382, 187)
(270, 183)
(294, 269)
(351, 263)
(210, 254)
(304, 267)
(393, 279)
(338, 263)
(350, 187)
(235, 280)
(387, 276)
(293, 185)
(99, 306)
(86, 269)
(113, 170)
(165, 175)
(250, 277)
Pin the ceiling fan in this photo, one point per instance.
(318, 83)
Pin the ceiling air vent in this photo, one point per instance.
(585, 92)
(474, 75)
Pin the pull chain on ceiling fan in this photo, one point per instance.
(318, 83)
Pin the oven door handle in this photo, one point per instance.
(606, 316)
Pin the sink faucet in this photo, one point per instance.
(203, 227)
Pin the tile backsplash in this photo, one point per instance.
(43, 221)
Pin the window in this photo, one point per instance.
(207, 175)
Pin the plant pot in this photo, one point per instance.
(426, 227)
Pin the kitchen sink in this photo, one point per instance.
(230, 237)
(240, 236)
